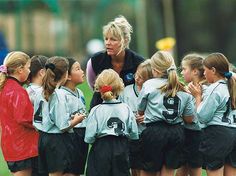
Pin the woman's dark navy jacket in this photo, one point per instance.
(101, 61)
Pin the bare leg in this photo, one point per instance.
(218, 172)
(167, 171)
(195, 171)
(183, 171)
(56, 174)
(26, 172)
(229, 170)
(145, 173)
(135, 172)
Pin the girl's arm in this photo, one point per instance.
(91, 76)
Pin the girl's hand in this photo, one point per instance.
(77, 118)
(195, 90)
(139, 118)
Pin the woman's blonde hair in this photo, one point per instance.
(145, 70)
(221, 64)
(121, 29)
(163, 62)
(56, 68)
(109, 77)
(12, 61)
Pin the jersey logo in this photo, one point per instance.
(172, 106)
(129, 77)
(79, 111)
(117, 124)
(38, 116)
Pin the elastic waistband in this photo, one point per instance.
(161, 123)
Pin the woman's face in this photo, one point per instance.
(112, 45)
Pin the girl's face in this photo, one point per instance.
(139, 79)
(77, 74)
(24, 72)
(187, 73)
(112, 45)
(209, 74)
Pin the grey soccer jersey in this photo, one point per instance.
(32, 90)
(130, 97)
(158, 107)
(76, 103)
(111, 118)
(215, 105)
(55, 114)
(232, 118)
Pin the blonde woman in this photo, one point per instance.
(118, 56)
(109, 126)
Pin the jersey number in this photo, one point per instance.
(172, 106)
(117, 124)
(37, 116)
(226, 113)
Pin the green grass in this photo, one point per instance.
(88, 95)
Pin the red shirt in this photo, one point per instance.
(19, 138)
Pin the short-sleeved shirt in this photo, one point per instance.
(130, 97)
(55, 112)
(111, 118)
(158, 107)
(213, 108)
(32, 90)
(19, 137)
(76, 103)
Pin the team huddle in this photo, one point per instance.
(143, 121)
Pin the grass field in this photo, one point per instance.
(88, 94)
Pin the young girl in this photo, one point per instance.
(108, 127)
(76, 104)
(192, 71)
(19, 138)
(130, 96)
(37, 72)
(230, 163)
(165, 104)
(54, 120)
(212, 111)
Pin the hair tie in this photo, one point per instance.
(228, 75)
(172, 67)
(105, 89)
(50, 65)
(3, 69)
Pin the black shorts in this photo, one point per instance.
(55, 152)
(162, 145)
(80, 151)
(192, 156)
(231, 158)
(217, 142)
(30, 163)
(109, 156)
(135, 154)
